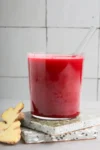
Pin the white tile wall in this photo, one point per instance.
(89, 90)
(22, 13)
(6, 103)
(66, 41)
(73, 13)
(53, 26)
(99, 90)
(91, 57)
(14, 88)
(15, 43)
(99, 58)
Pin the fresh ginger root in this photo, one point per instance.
(10, 126)
(11, 135)
(10, 115)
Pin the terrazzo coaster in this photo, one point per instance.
(62, 126)
(31, 136)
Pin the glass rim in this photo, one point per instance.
(51, 55)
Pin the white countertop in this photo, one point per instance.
(88, 107)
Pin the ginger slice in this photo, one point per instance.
(3, 126)
(20, 117)
(12, 135)
(10, 115)
(10, 131)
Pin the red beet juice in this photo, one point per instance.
(55, 84)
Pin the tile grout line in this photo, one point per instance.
(68, 27)
(46, 24)
(45, 13)
(19, 27)
(14, 77)
(53, 27)
(98, 57)
(87, 78)
(98, 67)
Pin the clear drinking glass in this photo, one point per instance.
(55, 85)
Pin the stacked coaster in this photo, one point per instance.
(38, 131)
